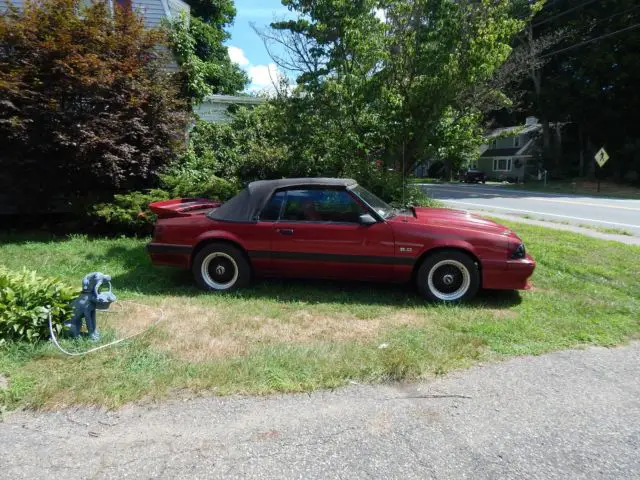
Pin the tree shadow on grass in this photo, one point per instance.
(143, 278)
(22, 238)
(140, 276)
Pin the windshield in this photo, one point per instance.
(381, 207)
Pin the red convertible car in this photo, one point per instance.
(334, 229)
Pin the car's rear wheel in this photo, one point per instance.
(221, 267)
(448, 276)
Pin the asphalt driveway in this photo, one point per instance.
(599, 212)
(573, 414)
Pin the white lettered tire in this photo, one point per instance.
(221, 267)
(448, 276)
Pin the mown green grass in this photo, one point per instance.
(581, 187)
(586, 292)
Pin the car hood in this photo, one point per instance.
(456, 219)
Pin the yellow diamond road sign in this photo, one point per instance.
(601, 157)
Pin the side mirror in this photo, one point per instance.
(367, 219)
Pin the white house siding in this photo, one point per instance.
(176, 7)
(152, 10)
(213, 112)
(214, 108)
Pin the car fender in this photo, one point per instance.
(444, 243)
(213, 235)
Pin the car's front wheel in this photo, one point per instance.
(221, 267)
(448, 276)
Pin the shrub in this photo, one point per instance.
(130, 213)
(418, 198)
(86, 103)
(25, 302)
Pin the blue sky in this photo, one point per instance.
(245, 47)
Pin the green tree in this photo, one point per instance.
(198, 42)
(395, 80)
(86, 107)
(589, 84)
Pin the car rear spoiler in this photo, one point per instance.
(182, 207)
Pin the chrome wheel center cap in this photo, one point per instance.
(220, 270)
(447, 279)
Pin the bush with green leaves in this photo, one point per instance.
(205, 66)
(26, 300)
(130, 212)
(191, 176)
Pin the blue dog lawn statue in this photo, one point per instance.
(90, 299)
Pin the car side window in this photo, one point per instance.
(321, 206)
(271, 211)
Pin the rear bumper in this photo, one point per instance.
(170, 254)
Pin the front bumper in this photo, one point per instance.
(519, 271)
(514, 275)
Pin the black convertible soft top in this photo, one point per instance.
(246, 206)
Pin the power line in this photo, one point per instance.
(546, 5)
(617, 14)
(591, 40)
(551, 3)
(562, 14)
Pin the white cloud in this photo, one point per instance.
(262, 76)
(237, 56)
(380, 15)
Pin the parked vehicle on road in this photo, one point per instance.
(473, 175)
(335, 229)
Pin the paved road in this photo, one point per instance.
(573, 414)
(578, 210)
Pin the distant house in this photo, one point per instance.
(511, 152)
(215, 108)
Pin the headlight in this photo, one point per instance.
(519, 252)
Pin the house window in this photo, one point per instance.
(501, 164)
(493, 143)
(516, 141)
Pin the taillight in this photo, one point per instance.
(157, 232)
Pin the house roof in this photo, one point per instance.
(246, 206)
(500, 152)
(509, 131)
(233, 99)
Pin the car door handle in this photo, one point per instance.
(285, 231)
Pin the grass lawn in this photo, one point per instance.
(425, 180)
(297, 336)
(582, 187)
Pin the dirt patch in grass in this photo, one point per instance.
(501, 313)
(200, 333)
